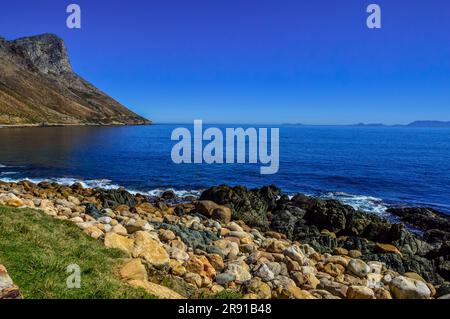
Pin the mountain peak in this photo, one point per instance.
(38, 85)
(46, 52)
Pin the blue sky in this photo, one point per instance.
(256, 61)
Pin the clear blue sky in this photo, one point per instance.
(256, 61)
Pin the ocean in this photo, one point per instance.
(370, 168)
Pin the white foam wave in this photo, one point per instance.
(179, 193)
(103, 184)
(8, 173)
(364, 203)
(3, 166)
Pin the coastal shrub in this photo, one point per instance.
(37, 249)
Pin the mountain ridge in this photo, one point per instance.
(419, 124)
(39, 86)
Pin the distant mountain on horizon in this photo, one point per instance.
(424, 124)
(429, 124)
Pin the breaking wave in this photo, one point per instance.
(364, 203)
(101, 183)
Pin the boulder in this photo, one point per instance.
(387, 248)
(222, 214)
(258, 287)
(5, 279)
(145, 246)
(120, 230)
(192, 238)
(113, 240)
(240, 274)
(156, 290)
(295, 254)
(335, 288)
(360, 292)
(225, 278)
(358, 268)
(134, 270)
(112, 198)
(251, 206)
(9, 199)
(7, 288)
(407, 288)
(205, 207)
(265, 273)
(306, 281)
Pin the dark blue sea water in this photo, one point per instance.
(367, 167)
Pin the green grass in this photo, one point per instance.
(36, 249)
(228, 294)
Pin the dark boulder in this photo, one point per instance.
(92, 210)
(328, 215)
(357, 243)
(251, 206)
(424, 267)
(443, 266)
(343, 219)
(113, 198)
(193, 238)
(436, 236)
(285, 218)
(407, 242)
(283, 222)
(169, 194)
(426, 219)
(443, 290)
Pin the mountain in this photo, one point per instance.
(38, 85)
(369, 124)
(424, 124)
(437, 124)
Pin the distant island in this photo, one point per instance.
(423, 124)
(429, 124)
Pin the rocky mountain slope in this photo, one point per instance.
(38, 85)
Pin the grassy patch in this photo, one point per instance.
(228, 294)
(36, 249)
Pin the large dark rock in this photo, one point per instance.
(251, 206)
(113, 198)
(443, 289)
(409, 243)
(343, 219)
(92, 210)
(284, 219)
(424, 267)
(192, 238)
(435, 224)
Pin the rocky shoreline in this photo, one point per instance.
(43, 125)
(259, 243)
